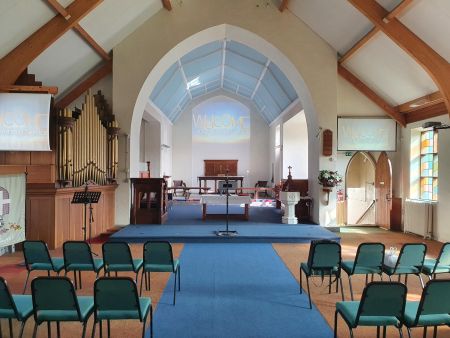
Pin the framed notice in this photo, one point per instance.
(12, 209)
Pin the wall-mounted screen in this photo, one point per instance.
(220, 121)
(24, 122)
(368, 134)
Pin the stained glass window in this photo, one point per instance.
(429, 165)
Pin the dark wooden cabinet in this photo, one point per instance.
(396, 214)
(149, 201)
(220, 167)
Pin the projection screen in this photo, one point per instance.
(369, 134)
(24, 122)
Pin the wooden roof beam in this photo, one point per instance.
(434, 64)
(428, 112)
(371, 95)
(283, 5)
(15, 62)
(28, 89)
(80, 30)
(167, 5)
(84, 85)
(401, 7)
(421, 102)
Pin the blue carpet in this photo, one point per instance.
(185, 226)
(236, 290)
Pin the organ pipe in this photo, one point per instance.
(87, 144)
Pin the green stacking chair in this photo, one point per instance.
(409, 262)
(19, 307)
(433, 309)
(117, 298)
(432, 267)
(37, 258)
(324, 260)
(158, 257)
(117, 257)
(382, 304)
(368, 261)
(55, 300)
(78, 257)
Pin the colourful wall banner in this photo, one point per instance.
(12, 209)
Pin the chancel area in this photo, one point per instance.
(226, 168)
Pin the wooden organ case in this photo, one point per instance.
(84, 156)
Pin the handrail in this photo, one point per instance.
(365, 212)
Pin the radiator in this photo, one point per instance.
(419, 217)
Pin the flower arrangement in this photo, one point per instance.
(329, 178)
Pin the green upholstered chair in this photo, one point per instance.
(117, 257)
(432, 310)
(158, 257)
(19, 307)
(324, 260)
(382, 304)
(409, 262)
(368, 261)
(117, 298)
(37, 258)
(55, 300)
(77, 258)
(432, 267)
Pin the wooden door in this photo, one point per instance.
(383, 191)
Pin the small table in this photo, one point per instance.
(221, 200)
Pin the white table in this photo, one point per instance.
(221, 200)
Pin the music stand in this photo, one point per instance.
(227, 232)
(86, 197)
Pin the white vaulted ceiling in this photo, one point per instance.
(227, 65)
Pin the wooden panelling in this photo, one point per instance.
(12, 169)
(220, 167)
(41, 174)
(17, 157)
(52, 217)
(42, 157)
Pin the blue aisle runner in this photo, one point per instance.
(236, 290)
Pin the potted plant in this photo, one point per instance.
(329, 179)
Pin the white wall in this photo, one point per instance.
(105, 85)
(252, 156)
(150, 147)
(295, 146)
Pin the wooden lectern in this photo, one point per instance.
(149, 201)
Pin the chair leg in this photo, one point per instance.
(351, 332)
(390, 278)
(58, 330)
(399, 277)
(400, 331)
(49, 330)
(26, 282)
(174, 288)
(342, 288)
(421, 281)
(22, 327)
(148, 280)
(406, 280)
(378, 332)
(329, 284)
(337, 284)
(425, 331)
(79, 277)
(335, 323)
(93, 329)
(371, 278)
(11, 334)
(179, 277)
(435, 332)
(151, 321)
(300, 284)
(35, 330)
(367, 279)
(381, 276)
(143, 326)
(142, 280)
(409, 332)
(108, 326)
(75, 279)
(84, 330)
(309, 293)
(101, 328)
(351, 288)
(384, 331)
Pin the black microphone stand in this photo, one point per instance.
(227, 232)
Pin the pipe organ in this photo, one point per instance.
(87, 144)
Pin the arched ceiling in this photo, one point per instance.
(227, 65)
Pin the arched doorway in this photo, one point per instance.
(360, 189)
